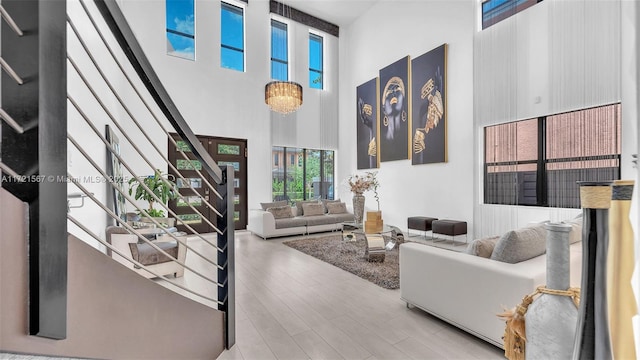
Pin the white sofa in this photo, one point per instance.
(263, 223)
(468, 291)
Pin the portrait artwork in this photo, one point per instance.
(428, 115)
(394, 111)
(367, 124)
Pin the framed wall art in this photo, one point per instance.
(428, 107)
(367, 125)
(394, 111)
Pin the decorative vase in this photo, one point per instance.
(592, 331)
(620, 264)
(550, 321)
(358, 207)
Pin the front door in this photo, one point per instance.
(224, 152)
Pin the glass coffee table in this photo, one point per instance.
(375, 241)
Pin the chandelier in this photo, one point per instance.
(283, 96)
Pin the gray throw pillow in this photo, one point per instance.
(327, 201)
(337, 208)
(281, 212)
(482, 247)
(520, 245)
(265, 206)
(311, 209)
(300, 206)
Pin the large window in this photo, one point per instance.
(180, 29)
(494, 11)
(315, 61)
(310, 176)
(232, 37)
(538, 161)
(279, 51)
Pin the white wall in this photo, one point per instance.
(372, 42)
(228, 103)
(554, 57)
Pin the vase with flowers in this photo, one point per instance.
(359, 184)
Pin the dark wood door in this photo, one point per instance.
(224, 151)
(233, 152)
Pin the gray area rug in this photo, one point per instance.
(349, 256)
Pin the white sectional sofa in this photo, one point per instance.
(468, 291)
(264, 224)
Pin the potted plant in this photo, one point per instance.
(163, 188)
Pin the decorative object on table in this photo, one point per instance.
(358, 185)
(348, 256)
(592, 331)
(374, 221)
(367, 125)
(428, 107)
(550, 321)
(620, 263)
(374, 249)
(114, 169)
(394, 114)
(160, 186)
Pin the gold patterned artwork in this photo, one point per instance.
(428, 107)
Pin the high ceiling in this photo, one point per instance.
(338, 12)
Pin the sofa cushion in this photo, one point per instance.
(520, 245)
(148, 255)
(336, 208)
(327, 201)
(290, 222)
(300, 206)
(265, 206)
(338, 218)
(319, 220)
(281, 212)
(312, 209)
(482, 247)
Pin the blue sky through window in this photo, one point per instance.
(279, 51)
(181, 28)
(232, 37)
(315, 62)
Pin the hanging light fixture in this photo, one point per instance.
(283, 96)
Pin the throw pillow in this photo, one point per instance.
(482, 247)
(265, 206)
(311, 209)
(520, 245)
(336, 208)
(300, 206)
(281, 212)
(327, 201)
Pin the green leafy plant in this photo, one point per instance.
(162, 188)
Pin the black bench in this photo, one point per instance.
(421, 223)
(452, 228)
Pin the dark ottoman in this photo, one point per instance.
(421, 223)
(449, 227)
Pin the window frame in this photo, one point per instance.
(286, 61)
(233, 6)
(320, 71)
(172, 31)
(502, 11)
(303, 160)
(542, 160)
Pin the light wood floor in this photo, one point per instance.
(292, 306)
